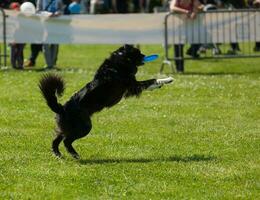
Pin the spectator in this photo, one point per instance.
(16, 48)
(84, 4)
(255, 4)
(5, 3)
(55, 8)
(211, 5)
(152, 4)
(237, 4)
(100, 6)
(66, 4)
(120, 6)
(194, 48)
(138, 6)
(35, 50)
(190, 8)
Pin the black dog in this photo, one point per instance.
(114, 80)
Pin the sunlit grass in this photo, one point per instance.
(195, 139)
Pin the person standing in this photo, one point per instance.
(120, 6)
(5, 3)
(35, 48)
(55, 8)
(189, 8)
(16, 48)
(255, 4)
(236, 4)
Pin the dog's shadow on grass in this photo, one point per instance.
(174, 158)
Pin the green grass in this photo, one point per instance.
(195, 139)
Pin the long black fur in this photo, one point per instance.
(114, 80)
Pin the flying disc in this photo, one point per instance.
(150, 58)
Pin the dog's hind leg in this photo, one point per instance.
(69, 139)
(55, 145)
(68, 144)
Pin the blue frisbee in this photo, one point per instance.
(150, 58)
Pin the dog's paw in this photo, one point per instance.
(75, 156)
(154, 86)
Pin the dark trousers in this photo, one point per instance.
(235, 46)
(50, 54)
(122, 6)
(35, 50)
(17, 55)
(193, 50)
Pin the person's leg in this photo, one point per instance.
(178, 54)
(93, 7)
(20, 56)
(193, 50)
(122, 6)
(235, 46)
(35, 50)
(47, 55)
(55, 52)
(13, 55)
(257, 46)
(136, 5)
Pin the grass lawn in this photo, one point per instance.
(195, 139)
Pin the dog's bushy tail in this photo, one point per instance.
(52, 86)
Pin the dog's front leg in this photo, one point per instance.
(144, 85)
(159, 83)
(138, 86)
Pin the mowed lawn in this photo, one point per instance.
(195, 139)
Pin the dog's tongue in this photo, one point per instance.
(150, 58)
